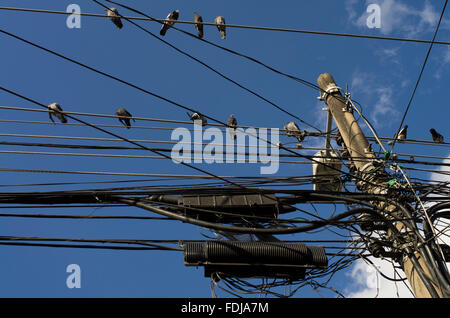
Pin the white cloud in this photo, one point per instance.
(440, 177)
(443, 60)
(446, 58)
(442, 226)
(389, 55)
(392, 52)
(368, 283)
(380, 97)
(350, 8)
(397, 16)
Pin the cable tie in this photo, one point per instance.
(392, 182)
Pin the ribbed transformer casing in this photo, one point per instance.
(237, 252)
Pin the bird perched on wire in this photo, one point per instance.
(124, 117)
(437, 137)
(114, 16)
(220, 22)
(232, 122)
(400, 136)
(292, 130)
(170, 21)
(198, 24)
(197, 116)
(56, 110)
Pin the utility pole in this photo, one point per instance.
(375, 181)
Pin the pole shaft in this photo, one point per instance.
(358, 146)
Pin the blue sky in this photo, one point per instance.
(380, 75)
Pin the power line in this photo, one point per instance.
(239, 128)
(407, 141)
(238, 26)
(184, 176)
(142, 90)
(340, 223)
(111, 77)
(245, 159)
(120, 137)
(106, 75)
(134, 117)
(93, 217)
(217, 72)
(421, 72)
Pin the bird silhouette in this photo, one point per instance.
(171, 17)
(292, 130)
(220, 22)
(437, 137)
(198, 24)
(114, 16)
(56, 110)
(232, 122)
(197, 116)
(124, 117)
(400, 136)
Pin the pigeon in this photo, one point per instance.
(124, 117)
(114, 16)
(437, 137)
(198, 24)
(172, 16)
(220, 22)
(292, 130)
(232, 122)
(197, 116)
(55, 109)
(400, 136)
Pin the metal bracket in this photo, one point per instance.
(366, 166)
(348, 101)
(329, 90)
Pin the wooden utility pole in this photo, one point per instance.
(375, 182)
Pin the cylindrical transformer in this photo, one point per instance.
(254, 259)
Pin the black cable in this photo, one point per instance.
(127, 140)
(120, 137)
(238, 229)
(140, 89)
(111, 247)
(201, 62)
(341, 34)
(421, 72)
(65, 216)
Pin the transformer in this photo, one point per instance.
(326, 169)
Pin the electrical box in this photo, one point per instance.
(327, 171)
(266, 205)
